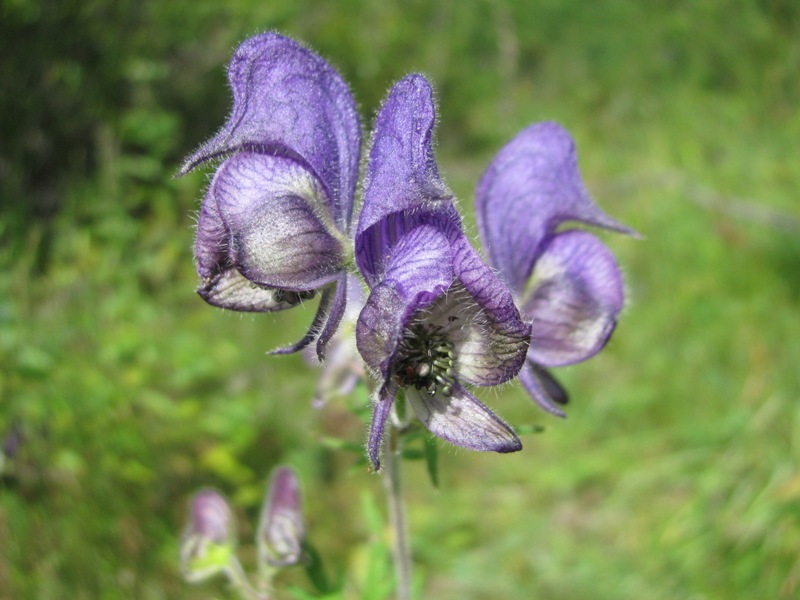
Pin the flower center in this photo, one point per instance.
(426, 359)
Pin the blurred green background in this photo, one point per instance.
(676, 473)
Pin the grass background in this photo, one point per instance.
(676, 473)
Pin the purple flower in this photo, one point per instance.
(566, 281)
(437, 317)
(274, 225)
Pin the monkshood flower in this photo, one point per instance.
(273, 228)
(566, 281)
(281, 531)
(436, 317)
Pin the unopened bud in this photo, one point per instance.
(209, 539)
(280, 530)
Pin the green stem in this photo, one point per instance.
(239, 580)
(392, 479)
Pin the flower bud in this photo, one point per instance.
(209, 539)
(280, 531)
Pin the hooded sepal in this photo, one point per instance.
(402, 186)
(289, 102)
(530, 188)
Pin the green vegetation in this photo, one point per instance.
(676, 474)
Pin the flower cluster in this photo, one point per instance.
(275, 230)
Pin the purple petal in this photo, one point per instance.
(402, 177)
(382, 406)
(419, 271)
(335, 312)
(463, 420)
(493, 340)
(288, 101)
(532, 186)
(278, 225)
(543, 388)
(575, 296)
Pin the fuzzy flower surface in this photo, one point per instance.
(437, 317)
(565, 280)
(273, 228)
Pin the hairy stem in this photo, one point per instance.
(392, 479)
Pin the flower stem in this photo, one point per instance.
(241, 583)
(392, 479)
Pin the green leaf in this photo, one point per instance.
(412, 454)
(316, 571)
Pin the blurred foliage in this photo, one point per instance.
(121, 393)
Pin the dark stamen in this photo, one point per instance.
(426, 360)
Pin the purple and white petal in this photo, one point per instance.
(493, 338)
(229, 289)
(531, 186)
(288, 101)
(463, 420)
(574, 298)
(402, 179)
(543, 388)
(279, 227)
